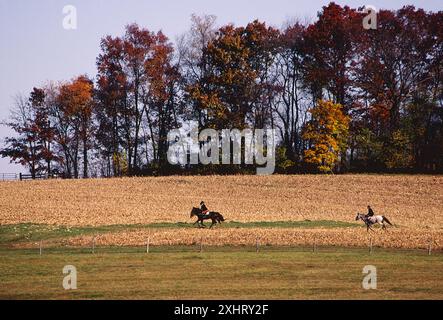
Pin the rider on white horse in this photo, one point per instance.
(370, 212)
(370, 215)
(371, 219)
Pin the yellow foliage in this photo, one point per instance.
(327, 134)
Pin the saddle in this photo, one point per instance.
(371, 219)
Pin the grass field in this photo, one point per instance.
(223, 273)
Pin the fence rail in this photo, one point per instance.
(9, 176)
(27, 176)
(35, 177)
(23, 176)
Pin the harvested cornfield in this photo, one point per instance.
(413, 203)
(399, 239)
(408, 200)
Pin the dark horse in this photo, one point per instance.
(214, 216)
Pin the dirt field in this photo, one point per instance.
(406, 239)
(413, 203)
(414, 200)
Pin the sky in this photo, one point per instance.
(35, 48)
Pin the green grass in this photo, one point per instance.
(221, 273)
(19, 233)
(228, 272)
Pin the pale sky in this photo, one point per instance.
(35, 48)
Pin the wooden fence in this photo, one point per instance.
(30, 177)
(23, 176)
(8, 176)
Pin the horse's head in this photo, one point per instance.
(358, 217)
(194, 212)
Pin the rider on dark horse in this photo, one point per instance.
(203, 208)
(203, 214)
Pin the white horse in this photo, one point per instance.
(370, 221)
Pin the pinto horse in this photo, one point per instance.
(214, 216)
(370, 221)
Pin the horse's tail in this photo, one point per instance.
(387, 221)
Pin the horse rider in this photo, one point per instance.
(203, 208)
(370, 212)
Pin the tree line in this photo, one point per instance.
(342, 98)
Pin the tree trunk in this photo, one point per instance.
(48, 163)
(85, 158)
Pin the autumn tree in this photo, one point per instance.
(42, 121)
(326, 134)
(160, 98)
(395, 81)
(137, 50)
(111, 104)
(191, 63)
(238, 85)
(136, 92)
(74, 117)
(262, 43)
(31, 146)
(330, 46)
(293, 96)
(222, 93)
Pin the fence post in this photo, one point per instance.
(93, 245)
(314, 244)
(147, 245)
(430, 246)
(40, 247)
(201, 244)
(21, 178)
(257, 245)
(370, 246)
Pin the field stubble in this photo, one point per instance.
(413, 203)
